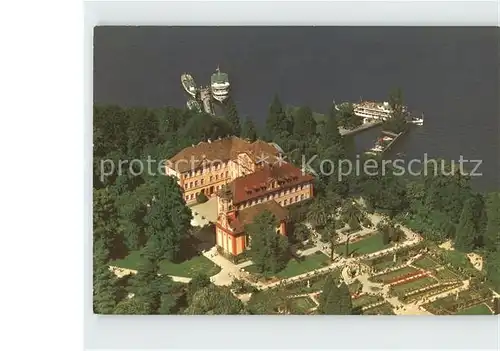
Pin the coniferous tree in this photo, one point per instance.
(329, 301)
(233, 118)
(304, 125)
(277, 121)
(345, 301)
(330, 134)
(249, 131)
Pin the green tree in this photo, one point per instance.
(301, 232)
(150, 288)
(214, 300)
(168, 220)
(352, 214)
(329, 300)
(198, 282)
(142, 130)
(345, 301)
(105, 290)
(492, 234)
(277, 121)
(105, 221)
(466, 231)
(268, 249)
(132, 208)
(318, 214)
(304, 125)
(131, 307)
(330, 135)
(397, 122)
(493, 269)
(233, 118)
(347, 118)
(249, 131)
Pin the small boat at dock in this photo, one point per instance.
(189, 84)
(416, 119)
(193, 105)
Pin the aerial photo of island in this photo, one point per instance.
(296, 171)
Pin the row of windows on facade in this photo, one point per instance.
(193, 196)
(285, 202)
(208, 169)
(201, 181)
(277, 195)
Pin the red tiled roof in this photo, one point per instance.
(221, 150)
(246, 216)
(255, 185)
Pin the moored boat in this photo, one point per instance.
(193, 105)
(189, 84)
(419, 121)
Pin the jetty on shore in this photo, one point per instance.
(206, 98)
(361, 128)
(385, 142)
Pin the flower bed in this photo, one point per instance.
(365, 300)
(425, 262)
(451, 305)
(393, 275)
(412, 285)
(428, 291)
(480, 309)
(446, 275)
(408, 278)
(383, 309)
(316, 282)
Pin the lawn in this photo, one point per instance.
(385, 309)
(481, 309)
(365, 300)
(296, 267)
(446, 275)
(426, 263)
(429, 292)
(187, 268)
(370, 244)
(413, 285)
(457, 259)
(389, 276)
(302, 304)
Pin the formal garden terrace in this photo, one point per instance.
(417, 279)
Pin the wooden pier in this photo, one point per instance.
(206, 98)
(363, 127)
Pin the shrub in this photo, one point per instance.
(201, 198)
(367, 223)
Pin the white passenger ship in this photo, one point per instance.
(220, 85)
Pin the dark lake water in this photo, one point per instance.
(450, 74)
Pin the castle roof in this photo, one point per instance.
(261, 182)
(221, 150)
